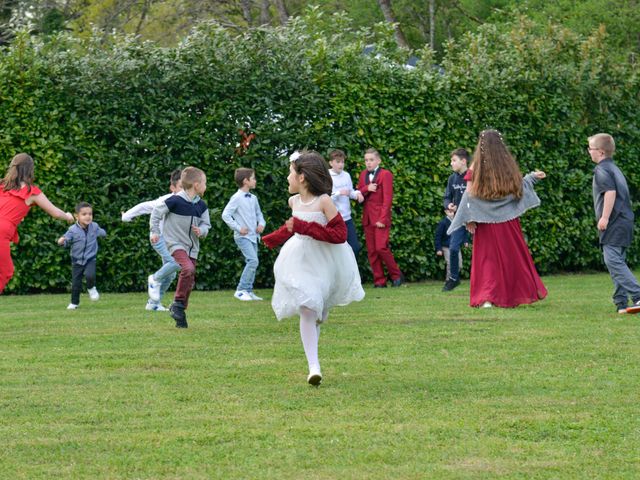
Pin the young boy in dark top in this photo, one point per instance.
(456, 186)
(614, 215)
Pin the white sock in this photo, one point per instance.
(310, 333)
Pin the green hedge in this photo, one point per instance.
(107, 123)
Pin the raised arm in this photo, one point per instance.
(45, 204)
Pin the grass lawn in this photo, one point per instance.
(416, 385)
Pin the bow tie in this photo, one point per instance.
(248, 195)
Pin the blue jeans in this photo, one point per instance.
(457, 238)
(169, 268)
(352, 237)
(250, 251)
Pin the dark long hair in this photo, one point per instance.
(495, 172)
(316, 172)
(20, 171)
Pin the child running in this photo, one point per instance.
(186, 220)
(502, 270)
(82, 241)
(159, 282)
(316, 269)
(17, 195)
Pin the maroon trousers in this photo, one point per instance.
(380, 254)
(186, 278)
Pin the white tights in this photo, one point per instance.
(310, 334)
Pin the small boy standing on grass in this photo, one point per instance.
(186, 220)
(614, 215)
(244, 217)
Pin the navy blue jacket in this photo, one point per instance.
(83, 242)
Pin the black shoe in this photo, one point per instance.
(176, 310)
(382, 285)
(450, 285)
(398, 281)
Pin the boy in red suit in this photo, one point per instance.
(376, 185)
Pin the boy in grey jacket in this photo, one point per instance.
(82, 239)
(186, 220)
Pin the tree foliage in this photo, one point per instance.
(107, 123)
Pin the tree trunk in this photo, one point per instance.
(432, 24)
(265, 16)
(283, 15)
(246, 11)
(387, 11)
(143, 16)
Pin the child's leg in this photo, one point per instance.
(250, 251)
(352, 237)
(187, 277)
(169, 265)
(456, 240)
(77, 272)
(310, 333)
(166, 283)
(447, 256)
(90, 273)
(384, 252)
(624, 282)
(6, 263)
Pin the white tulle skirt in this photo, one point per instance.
(316, 275)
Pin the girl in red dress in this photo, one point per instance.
(502, 269)
(17, 196)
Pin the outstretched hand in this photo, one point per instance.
(539, 174)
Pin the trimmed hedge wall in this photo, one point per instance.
(108, 123)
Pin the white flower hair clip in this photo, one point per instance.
(294, 156)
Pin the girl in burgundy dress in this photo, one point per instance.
(17, 195)
(502, 270)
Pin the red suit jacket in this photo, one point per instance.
(377, 205)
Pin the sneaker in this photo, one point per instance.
(93, 294)
(155, 307)
(398, 281)
(72, 306)
(314, 378)
(635, 308)
(176, 310)
(153, 289)
(243, 296)
(450, 285)
(487, 305)
(254, 296)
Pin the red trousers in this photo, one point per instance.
(186, 278)
(380, 254)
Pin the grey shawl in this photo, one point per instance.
(472, 209)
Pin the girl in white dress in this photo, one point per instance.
(316, 268)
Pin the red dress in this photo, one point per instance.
(502, 269)
(12, 210)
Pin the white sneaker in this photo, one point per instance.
(155, 307)
(314, 378)
(242, 295)
(72, 306)
(153, 289)
(254, 296)
(93, 294)
(487, 305)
